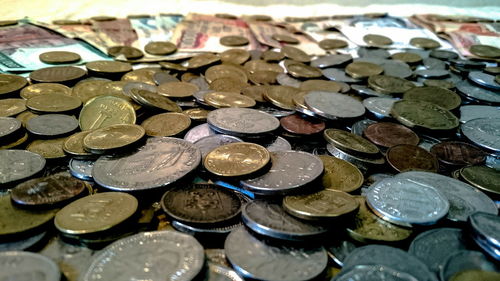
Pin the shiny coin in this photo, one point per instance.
(486, 225)
(146, 255)
(380, 107)
(130, 53)
(81, 169)
(220, 71)
(482, 177)
(208, 204)
(88, 89)
(329, 44)
(53, 103)
(406, 157)
(197, 114)
(387, 134)
(439, 96)
(281, 96)
(11, 107)
(295, 124)
(235, 56)
(105, 111)
(198, 132)
(29, 266)
(359, 70)
(325, 204)
(49, 149)
(458, 153)
(74, 145)
(484, 80)
(458, 261)
(303, 71)
(52, 125)
(285, 38)
(154, 101)
(409, 58)
(423, 114)
(472, 92)
(57, 74)
(160, 48)
(340, 174)
(406, 203)
(161, 161)
(209, 143)
(59, 57)
(486, 51)
(11, 83)
(19, 165)
(177, 89)
(233, 41)
(376, 40)
(112, 137)
(260, 260)
(108, 67)
(389, 84)
(295, 54)
(483, 132)
(236, 159)
(228, 99)
(297, 167)
(242, 121)
(44, 88)
(333, 105)
(143, 75)
(166, 124)
(424, 43)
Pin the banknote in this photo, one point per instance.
(464, 40)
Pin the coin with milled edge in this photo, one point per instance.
(20, 265)
(58, 57)
(18, 165)
(166, 124)
(160, 48)
(363, 163)
(209, 143)
(340, 174)
(242, 121)
(52, 125)
(333, 105)
(113, 137)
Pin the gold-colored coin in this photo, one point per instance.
(360, 69)
(48, 149)
(74, 145)
(15, 143)
(260, 65)
(58, 57)
(25, 116)
(108, 67)
(197, 113)
(105, 111)
(57, 74)
(16, 220)
(202, 60)
(130, 53)
(177, 89)
(369, 228)
(43, 89)
(144, 75)
(424, 43)
(11, 107)
(172, 66)
(53, 103)
(255, 92)
(235, 56)
(320, 85)
(228, 84)
(285, 38)
(324, 204)
(8, 22)
(386, 84)
(281, 96)
(330, 44)
(228, 99)
(233, 41)
(236, 159)
(351, 143)
(300, 70)
(11, 83)
(376, 40)
(263, 77)
(295, 54)
(409, 58)
(88, 89)
(226, 70)
(423, 114)
(272, 56)
(112, 137)
(440, 96)
(155, 101)
(482, 177)
(160, 48)
(115, 88)
(95, 213)
(485, 51)
(439, 83)
(340, 174)
(166, 124)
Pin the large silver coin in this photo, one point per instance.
(484, 132)
(242, 121)
(474, 92)
(391, 257)
(52, 125)
(271, 220)
(255, 259)
(333, 105)
(159, 162)
(199, 132)
(466, 260)
(375, 272)
(464, 199)
(159, 255)
(209, 143)
(406, 202)
(19, 164)
(484, 80)
(290, 170)
(488, 226)
(26, 266)
(469, 112)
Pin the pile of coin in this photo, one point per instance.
(269, 165)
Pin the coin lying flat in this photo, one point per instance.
(177, 89)
(228, 99)
(483, 132)
(9, 127)
(18, 165)
(333, 105)
(130, 53)
(166, 124)
(340, 174)
(108, 67)
(20, 265)
(424, 43)
(475, 274)
(387, 84)
(360, 69)
(295, 124)
(329, 44)
(44, 88)
(486, 51)
(376, 40)
(242, 121)
(112, 137)
(233, 41)
(81, 169)
(74, 145)
(53, 103)
(407, 157)
(58, 57)
(388, 134)
(57, 74)
(160, 48)
(11, 83)
(423, 114)
(457, 153)
(52, 125)
(49, 149)
(482, 177)
(211, 142)
(439, 96)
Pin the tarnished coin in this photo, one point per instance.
(295, 124)
(261, 65)
(443, 54)
(105, 111)
(303, 71)
(386, 84)
(457, 153)
(340, 174)
(233, 41)
(483, 132)
(207, 229)
(52, 125)
(482, 177)
(242, 121)
(236, 159)
(443, 97)
(53, 103)
(272, 56)
(373, 273)
(423, 114)
(74, 145)
(405, 202)
(57, 74)
(201, 204)
(407, 157)
(59, 57)
(484, 80)
(363, 163)
(16, 142)
(130, 53)
(486, 51)
(11, 107)
(10, 83)
(439, 83)
(329, 44)
(44, 88)
(257, 259)
(209, 143)
(166, 124)
(21, 265)
(177, 89)
(297, 167)
(409, 58)
(18, 165)
(376, 40)
(462, 260)
(333, 105)
(160, 48)
(161, 161)
(108, 67)
(424, 43)
(228, 99)
(49, 149)
(285, 38)
(386, 134)
(149, 255)
(112, 138)
(359, 69)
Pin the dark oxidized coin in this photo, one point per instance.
(300, 126)
(57, 57)
(443, 54)
(9, 127)
(388, 134)
(458, 153)
(48, 190)
(405, 157)
(201, 204)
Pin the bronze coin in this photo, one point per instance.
(8, 22)
(285, 38)
(235, 56)
(263, 77)
(377, 40)
(130, 53)
(272, 56)
(108, 67)
(255, 92)
(57, 74)
(387, 134)
(160, 48)
(10, 83)
(300, 126)
(458, 153)
(103, 18)
(409, 58)
(295, 54)
(58, 57)
(172, 66)
(406, 157)
(226, 16)
(47, 190)
(202, 60)
(329, 44)
(233, 41)
(424, 43)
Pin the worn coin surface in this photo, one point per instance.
(407, 157)
(19, 164)
(9, 127)
(166, 124)
(443, 97)
(458, 153)
(130, 53)
(112, 137)
(424, 114)
(20, 265)
(297, 125)
(388, 134)
(10, 83)
(74, 145)
(424, 43)
(105, 111)
(482, 177)
(233, 41)
(242, 121)
(361, 69)
(52, 125)
(373, 273)
(484, 132)
(11, 107)
(44, 88)
(333, 105)
(49, 149)
(386, 84)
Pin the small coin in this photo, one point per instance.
(235, 56)
(49, 149)
(11, 107)
(112, 137)
(44, 88)
(105, 111)
(11, 83)
(74, 145)
(285, 38)
(53, 103)
(445, 98)
(458, 153)
(177, 89)
(386, 84)
(52, 125)
(222, 71)
(59, 57)
(81, 169)
(329, 44)
(108, 67)
(154, 100)
(406, 157)
(197, 113)
(409, 58)
(57, 74)
(424, 43)
(228, 99)
(144, 75)
(295, 54)
(228, 84)
(361, 69)
(486, 51)
(160, 48)
(333, 105)
(423, 114)
(340, 174)
(482, 177)
(376, 40)
(299, 70)
(233, 41)
(30, 266)
(202, 60)
(387, 134)
(351, 143)
(295, 124)
(166, 124)
(130, 53)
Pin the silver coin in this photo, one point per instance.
(8, 126)
(23, 244)
(365, 91)
(255, 259)
(378, 106)
(193, 229)
(199, 132)
(434, 246)
(221, 273)
(19, 164)
(365, 164)
(427, 142)
(469, 112)
(443, 54)
(486, 246)
(332, 105)
(81, 169)
(391, 67)
(473, 92)
(406, 202)
(432, 73)
(391, 257)
(209, 143)
(163, 77)
(484, 132)
(465, 260)
(493, 161)
(464, 199)
(161, 161)
(432, 63)
(278, 144)
(286, 80)
(359, 127)
(52, 125)
(200, 96)
(201, 83)
(129, 88)
(159, 255)
(242, 121)
(17, 265)
(339, 250)
(274, 111)
(484, 80)
(338, 75)
(271, 220)
(331, 61)
(487, 225)
(290, 170)
(375, 272)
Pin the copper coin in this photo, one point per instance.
(130, 53)
(57, 74)
(387, 134)
(458, 153)
(300, 126)
(47, 190)
(406, 157)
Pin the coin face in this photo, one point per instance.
(406, 157)
(483, 132)
(387, 134)
(108, 67)
(242, 121)
(49, 149)
(458, 153)
(340, 174)
(423, 114)
(233, 41)
(112, 137)
(57, 74)
(53, 103)
(130, 53)
(11, 83)
(361, 69)
(295, 54)
(177, 89)
(386, 84)
(424, 43)
(486, 51)
(333, 105)
(19, 164)
(329, 44)
(166, 124)
(439, 96)
(20, 264)
(105, 111)
(160, 48)
(228, 99)
(74, 145)
(376, 40)
(44, 88)
(482, 177)
(58, 57)
(300, 126)
(11, 107)
(52, 125)
(351, 142)
(409, 58)
(88, 89)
